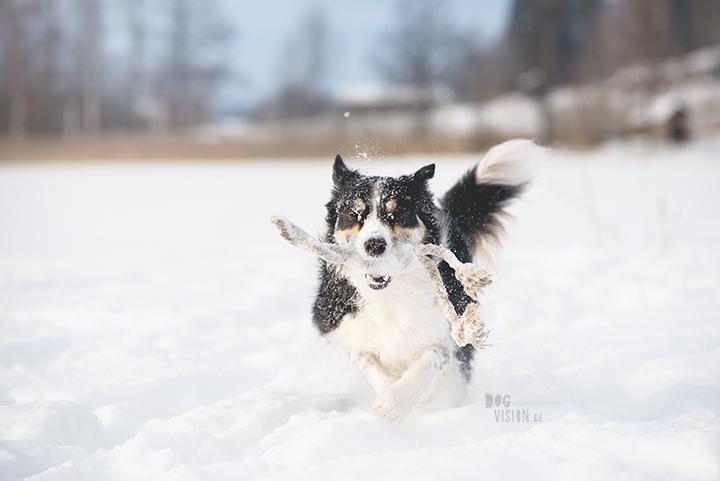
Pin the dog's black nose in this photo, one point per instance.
(375, 246)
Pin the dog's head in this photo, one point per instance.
(381, 217)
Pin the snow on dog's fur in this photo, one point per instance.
(388, 321)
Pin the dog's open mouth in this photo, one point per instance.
(377, 283)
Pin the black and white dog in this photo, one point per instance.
(389, 323)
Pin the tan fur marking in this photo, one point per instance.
(415, 234)
(342, 236)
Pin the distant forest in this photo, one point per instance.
(91, 66)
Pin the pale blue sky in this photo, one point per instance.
(265, 27)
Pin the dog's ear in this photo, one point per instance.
(340, 172)
(424, 174)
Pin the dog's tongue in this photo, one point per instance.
(377, 283)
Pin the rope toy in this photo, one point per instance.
(466, 329)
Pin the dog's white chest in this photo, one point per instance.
(396, 325)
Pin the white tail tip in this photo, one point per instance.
(514, 162)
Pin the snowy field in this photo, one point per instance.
(154, 326)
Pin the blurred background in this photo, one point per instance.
(224, 78)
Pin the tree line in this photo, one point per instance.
(560, 42)
(548, 43)
(85, 66)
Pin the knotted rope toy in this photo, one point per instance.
(466, 329)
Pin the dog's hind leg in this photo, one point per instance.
(414, 385)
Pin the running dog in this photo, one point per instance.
(388, 322)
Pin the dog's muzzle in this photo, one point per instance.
(377, 283)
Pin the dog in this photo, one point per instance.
(389, 323)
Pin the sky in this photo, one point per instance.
(264, 29)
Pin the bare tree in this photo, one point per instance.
(423, 47)
(548, 35)
(302, 68)
(705, 22)
(136, 70)
(646, 30)
(196, 59)
(662, 28)
(92, 66)
(484, 72)
(52, 54)
(14, 16)
(179, 64)
(44, 67)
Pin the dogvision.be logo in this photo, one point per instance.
(503, 413)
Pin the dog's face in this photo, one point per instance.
(380, 217)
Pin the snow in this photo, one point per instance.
(154, 325)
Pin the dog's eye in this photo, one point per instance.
(390, 207)
(358, 215)
(354, 215)
(358, 209)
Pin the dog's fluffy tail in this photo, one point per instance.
(476, 205)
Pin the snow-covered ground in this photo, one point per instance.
(154, 326)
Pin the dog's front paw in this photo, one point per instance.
(390, 408)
